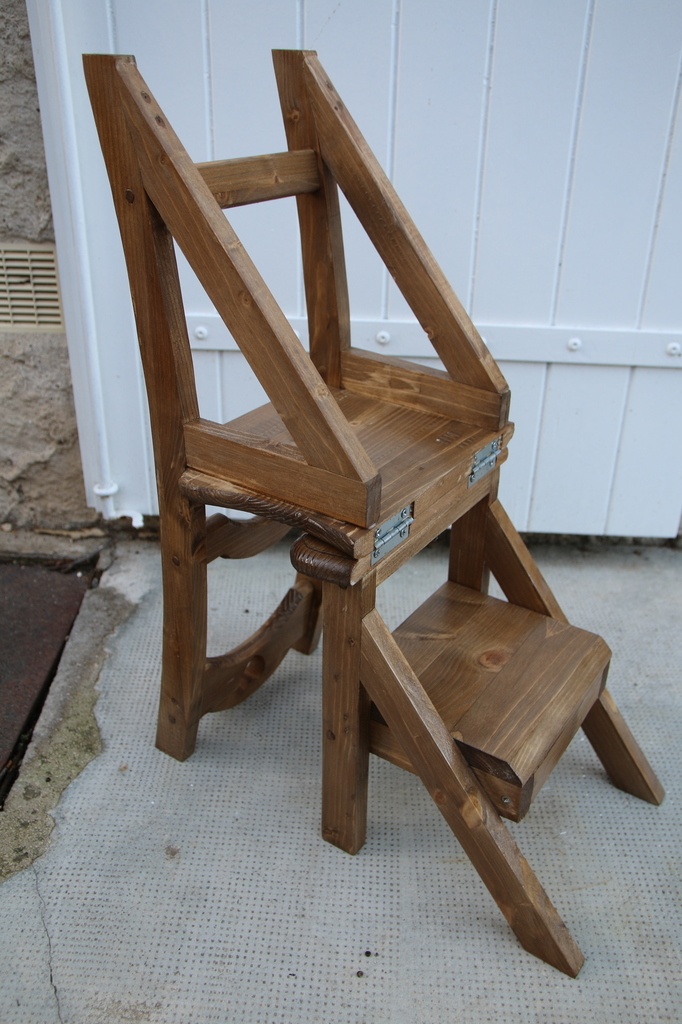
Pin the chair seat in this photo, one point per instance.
(511, 686)
(424, 460)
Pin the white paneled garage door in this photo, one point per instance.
(537, 145)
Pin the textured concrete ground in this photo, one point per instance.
(166, 892)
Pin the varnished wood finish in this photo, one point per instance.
(281, 470)
(416, 453)
(511, 686)
(345, 717)
(423, 388)
(166, 359)
(324, 265)
(211, 490)
(230, 678)
(321, 561)
(256, 179)
(238, 538)
(397, 240)
(478, 697)
(619, 752)
(184, 629)
(236, 289)
(435, 503)
(468, 565)
(188, 686)
(397, 692)
(514, 568)
(604, 726)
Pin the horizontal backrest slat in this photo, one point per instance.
(254, 179)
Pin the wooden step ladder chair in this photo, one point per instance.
(370, 458)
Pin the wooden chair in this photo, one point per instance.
(371, 458)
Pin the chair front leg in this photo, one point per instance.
(345, 716)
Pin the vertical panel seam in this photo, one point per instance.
(220, 391)
(619, 445)
(482, 150)
(300, 29)
(391, 134)
(209, 123)
(147, 440)
(530, 508)
(209, 132)
(111, 26)
(570, 173)
(300, 24)
(667, 158)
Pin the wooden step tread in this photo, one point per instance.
(512, 686)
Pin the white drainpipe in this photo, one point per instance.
(59, 129)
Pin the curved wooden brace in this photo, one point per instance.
(231, 678)
(240, 538)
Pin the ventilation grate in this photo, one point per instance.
(29, 289)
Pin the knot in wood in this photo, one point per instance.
(494, 659)
(472, 809)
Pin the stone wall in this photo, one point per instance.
(41, 483)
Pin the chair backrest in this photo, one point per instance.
(161, 195)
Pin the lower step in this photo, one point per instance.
(512, 687)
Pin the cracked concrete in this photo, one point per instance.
(43, 912)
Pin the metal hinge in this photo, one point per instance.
(485, 461)
(392, 533)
